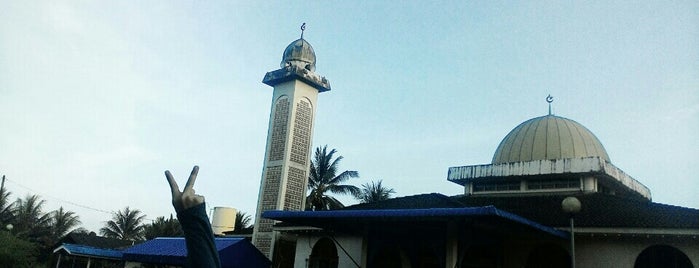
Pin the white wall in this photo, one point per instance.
(616, 251)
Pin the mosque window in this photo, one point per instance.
(662, 256)
(553, 184)
(496, 186)
(323, 255)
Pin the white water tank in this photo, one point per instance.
(223, 220)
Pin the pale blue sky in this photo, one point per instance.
(98, 98)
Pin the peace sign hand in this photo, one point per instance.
(187, 198)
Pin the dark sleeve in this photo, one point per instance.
(201, 250)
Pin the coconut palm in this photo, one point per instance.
(125, 224)
(374, 192)
(162, 227)
(5, 204)
(29, 219)
(63, 222)
(242, 221)
(323, 178)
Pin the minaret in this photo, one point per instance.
(288, 150)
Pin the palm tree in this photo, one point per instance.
(242, 221)
(162, 227)
(323, 178)
(63, 222)
(374, 192)
(29, 219)
(125, 224)
(6, 209)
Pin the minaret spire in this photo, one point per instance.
(549, 99)
(303, 28)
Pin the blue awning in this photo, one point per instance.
(315, 218)
(87, 251)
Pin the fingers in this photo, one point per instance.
(192, 179)
(173, 184)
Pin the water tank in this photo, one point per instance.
(223, 220)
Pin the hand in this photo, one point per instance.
(187, 198)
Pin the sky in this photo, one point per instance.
(98, 98)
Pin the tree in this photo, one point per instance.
(242, 222)
(17, 252)
(63, 222)
(30, 221)
(374, 192)
(6, 209)
(125, 224)
(162, 227)
(323, 178)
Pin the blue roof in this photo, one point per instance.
(88, 251)
(307, 217)
(173, 246)
(233, 252)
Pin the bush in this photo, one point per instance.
(15, 252)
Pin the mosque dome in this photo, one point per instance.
(547, 138)
(299, 53)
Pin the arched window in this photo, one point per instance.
(548, 255)
(323, 255)
(662, 256)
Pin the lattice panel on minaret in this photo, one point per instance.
(263, 242)
(270, 192)
(295, 189)
(270, 195)
(301, 133)
(278, 140)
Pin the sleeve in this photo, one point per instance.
(201, 249)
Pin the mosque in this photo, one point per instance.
(551, 197)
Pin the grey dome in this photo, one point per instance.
(299, 53)
(547, 138)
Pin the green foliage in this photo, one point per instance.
(6, 207)
(34, 232)
(323, 178)
(63, 222)
(374, 192)
(125, 224)
(16, 252)
(30, 221)
(162, 227)
(242, 222)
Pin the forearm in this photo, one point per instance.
(201, 249)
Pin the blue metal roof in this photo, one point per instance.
(170, 248)
(233, 252)
(305, 217)
(88, 251)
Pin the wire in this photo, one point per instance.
(65, 201)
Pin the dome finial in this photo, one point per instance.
(549, 99)
(303, 28)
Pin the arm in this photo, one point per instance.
(191, 212)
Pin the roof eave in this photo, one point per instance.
(572, 166)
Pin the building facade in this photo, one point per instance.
(510, 214)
